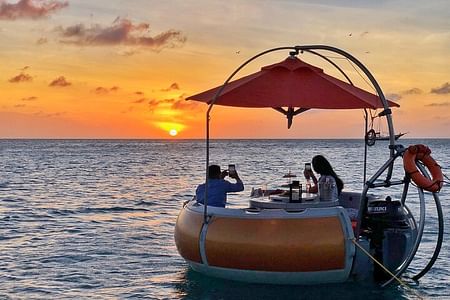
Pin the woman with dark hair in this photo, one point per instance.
(328, 180)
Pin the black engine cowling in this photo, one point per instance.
(390, 234)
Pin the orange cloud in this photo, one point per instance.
(394, 97)
(155, 103)
(441, 104)
(28, 9)
(49, 115)
(184, 105)
(398, 96)
(413, 91)
(42, 41)
(173, 86)
(60, 81)
(175, 104)
(22, 77)
(127, 52)
(32, 98)
(444, 89)
(103, 90)
(121, 32)
(142, 100)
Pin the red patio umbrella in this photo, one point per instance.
(292, 83)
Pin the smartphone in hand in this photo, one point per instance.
(308, 166)
(231, 170)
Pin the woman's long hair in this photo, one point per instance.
(323, 167)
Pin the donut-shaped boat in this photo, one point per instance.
(303, 246)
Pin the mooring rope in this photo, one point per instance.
(386, 270)
(447, 182)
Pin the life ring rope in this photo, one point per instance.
(422, 154)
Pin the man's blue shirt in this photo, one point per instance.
(217, 191)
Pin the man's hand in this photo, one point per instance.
(223, 174)
(235, 175)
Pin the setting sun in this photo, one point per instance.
(173, 132)
(172, 128)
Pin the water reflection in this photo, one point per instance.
(193, 285)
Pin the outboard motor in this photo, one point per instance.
(391, 235)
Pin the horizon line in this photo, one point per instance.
(202, 139)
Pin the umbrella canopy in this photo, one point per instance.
(292, 83)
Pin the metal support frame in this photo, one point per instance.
(394, 149)
(311, 49)
(366, 116)
(437, 249)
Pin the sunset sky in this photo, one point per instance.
(122, 69)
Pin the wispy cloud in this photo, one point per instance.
(394, 97)
(42, 41)
(444, 89)
(49, 115)
(441, 104)
(173, 86)
(185, 105)
(177, 104)
(364, 34)
(102, 90)
(32, 98)
(121, 32)
(29, 9)
(399, 96)
(127, 52)
(155, 103)
(128, 110)
(413, 91)
(61, 81)
(22, 77)
(141, 100)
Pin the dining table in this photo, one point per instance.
(283, 201)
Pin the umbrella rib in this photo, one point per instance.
(290, 113)
(281, 110)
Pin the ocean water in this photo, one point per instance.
(94, 219)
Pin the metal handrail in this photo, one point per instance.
(310, 49)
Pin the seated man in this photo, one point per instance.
(218, 187)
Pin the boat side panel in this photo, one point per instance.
(297, 278)
(280, 245)
(187, 231)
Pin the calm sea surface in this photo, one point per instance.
(94, 219)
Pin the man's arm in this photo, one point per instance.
(236, 187)
(200, 193)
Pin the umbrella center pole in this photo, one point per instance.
(219, 92)
(365, 148)
(205, 202)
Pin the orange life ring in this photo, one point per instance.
(422, 153)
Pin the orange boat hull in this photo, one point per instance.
(296, 243)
